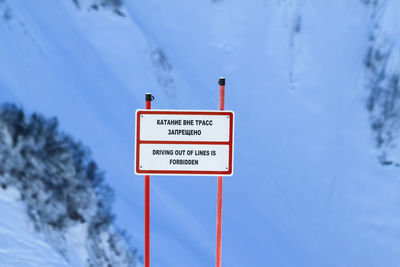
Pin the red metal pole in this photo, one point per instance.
(149, 98)
(220, 181)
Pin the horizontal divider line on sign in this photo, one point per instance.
(185, 142)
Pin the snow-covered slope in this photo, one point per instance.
(19, 244)
(63, 190)
(308, 189)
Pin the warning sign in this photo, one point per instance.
(170, 142)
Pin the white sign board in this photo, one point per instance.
(171, 142)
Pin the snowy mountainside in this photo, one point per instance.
(382, 77)
(62, 188)
(20, 245)
(308, 189)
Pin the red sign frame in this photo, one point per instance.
(138, 142)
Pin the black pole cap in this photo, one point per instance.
(221, 81)
(149, 97)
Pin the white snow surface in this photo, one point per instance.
(307, 190)
(20, 245)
